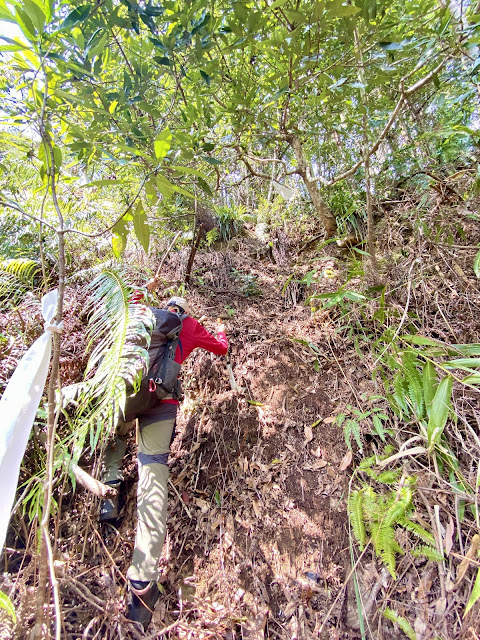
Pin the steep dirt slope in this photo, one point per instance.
(258, 544)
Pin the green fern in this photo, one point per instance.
(370, 505)
(367, 463)
(352, 428)
(431, 553)
(417, 530)
(17, 277)
(402, 622)
(395, 512)
(24, 269)
(119, 335)
(387, 548)
(355, 512)
(389, 477)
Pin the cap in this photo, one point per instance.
(179, 302)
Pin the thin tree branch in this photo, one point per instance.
(403, 95)
(3, 203)
(101, 233)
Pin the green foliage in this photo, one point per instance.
(341, 298)
(17, 276)
(118, 335)
(402, 622)
(248, 283)
(379, 514)
(474, 595)
(231, 220)
(355, 513)
(7, 605)
(352, 425)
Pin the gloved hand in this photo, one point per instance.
(153, 284)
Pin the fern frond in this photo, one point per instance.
(366, 463)
(417, 530)
(414, 383)
(399, 394)
(395, 512)
(388, 547)
(355, 513)
(402, 622)
(389, 477)
(370, 508)
(429, 552)
(24, 269)
(375, 536)
(119, 333)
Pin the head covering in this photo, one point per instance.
(181, 303)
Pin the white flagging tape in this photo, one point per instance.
(18, 408)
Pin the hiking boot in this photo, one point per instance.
(109, 506)
(142, 597)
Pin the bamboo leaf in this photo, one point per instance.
(77, 15)
(439, 411)
(190, 170)
(474, 379)
(422, 341)
(462, 363)
(101, 183)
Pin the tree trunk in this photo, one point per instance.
(326, 216)
(193, 251)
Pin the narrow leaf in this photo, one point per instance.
(429, 385)
(77, 15)
(140, 226)
(101, 183)
(119, 238)
(462, 363)
(190, 170)
(164, 186)
(7, 605)
(439, 411)
(476, 265)
(474, 595)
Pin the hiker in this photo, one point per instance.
(156, 426)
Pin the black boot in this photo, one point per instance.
(142, 597)
(109, 506)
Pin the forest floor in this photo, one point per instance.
(258, 542)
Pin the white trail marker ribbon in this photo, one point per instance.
(18, 408)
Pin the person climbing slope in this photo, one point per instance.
(155, 429)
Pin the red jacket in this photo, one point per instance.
(193, 335)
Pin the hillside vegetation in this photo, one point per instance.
(307, 171)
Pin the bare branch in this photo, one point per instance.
(91, 484)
